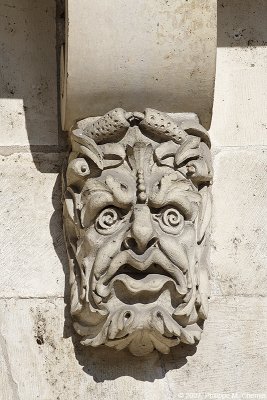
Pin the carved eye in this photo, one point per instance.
(107, 221)
(171, 217)
(79, 166)
(170, 220)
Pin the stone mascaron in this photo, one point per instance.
(136, 211)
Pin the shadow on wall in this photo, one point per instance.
(242, 23)
(30, 45)
(104, 363)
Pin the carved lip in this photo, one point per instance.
(137, 274)
(151, 283)
(139, 267)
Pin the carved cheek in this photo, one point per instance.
(179, 249)
(95, 239)
(186, 237)
(106, 250)
(92, 241)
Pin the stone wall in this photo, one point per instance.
(41, 358)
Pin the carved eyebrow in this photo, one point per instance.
(120, 192)
(185, 203)
(97, 201)
(98, 195)
(177, 193)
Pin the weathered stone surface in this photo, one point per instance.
(28, 90)
(239, 251)
(32, 245)
(44, 365)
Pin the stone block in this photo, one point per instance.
(239, 113)
(45, 363)
(32, 246)
(239, 116)
(239, 252)
(28, 90)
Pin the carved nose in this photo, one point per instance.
(142, 231)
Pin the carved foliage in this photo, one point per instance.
(136, 210)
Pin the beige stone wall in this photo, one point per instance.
(40, 358)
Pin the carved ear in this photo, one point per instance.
(161, 125)
(204, 212)
(110, 127)
(85, 146)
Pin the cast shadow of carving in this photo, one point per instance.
(105, 364)
(241, 24)
(30, 60)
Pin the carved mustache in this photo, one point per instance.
(142, 263)
(127, 324)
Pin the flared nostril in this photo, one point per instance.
(138, 248)
(142, 234)
(129, 243)
(152, 242)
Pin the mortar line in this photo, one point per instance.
(215, 296)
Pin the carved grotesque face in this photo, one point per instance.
(136, 211)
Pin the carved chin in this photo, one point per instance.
(141, 327)
(144, 330)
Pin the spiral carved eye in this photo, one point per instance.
(171, 217)
(107, 220)
(170, 220)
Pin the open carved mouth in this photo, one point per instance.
(136, 274)
(147, 272)
(151, 280)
